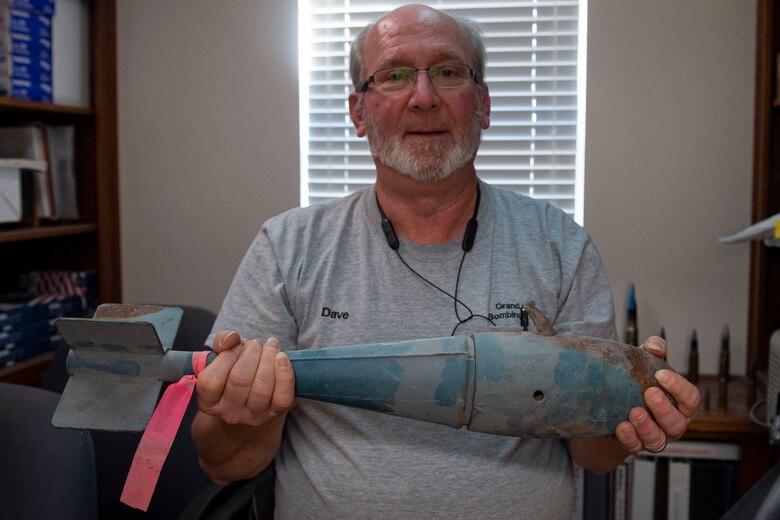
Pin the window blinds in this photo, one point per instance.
(532, 72)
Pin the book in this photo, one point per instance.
(28, 143)
(689, 480)
(598, 496)
(71, 55)
(50, 152)
(578, 513)
(60, 143)
(701, 450)
(661, 501)
(714, 488)
(642, 487)
(620, 492)
(678, 501)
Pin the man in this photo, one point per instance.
(392, 265)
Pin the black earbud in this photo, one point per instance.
(471, 228)
(387, 228)
(468, 236)
(392, 238)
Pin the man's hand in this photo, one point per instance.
(248, 383)
(643, 431)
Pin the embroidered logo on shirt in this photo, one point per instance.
(505, 311)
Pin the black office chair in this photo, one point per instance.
(181, 477)
(45, 472)
(761, 502)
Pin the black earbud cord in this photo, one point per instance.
(468, 242)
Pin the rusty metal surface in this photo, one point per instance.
(164, 319)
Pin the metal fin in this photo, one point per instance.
(110, 336)
(103, 401)
(542, 325)
(165, 319)
(107, 389)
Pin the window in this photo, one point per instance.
(535, 71)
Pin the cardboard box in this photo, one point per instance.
(45, 7)
(18, 88)
(25, 67)
(18, 44)
(25, 22)
(19, 352)
(16, 311)
(24, 334)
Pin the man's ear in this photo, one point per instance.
(356, 114)
(486, 105)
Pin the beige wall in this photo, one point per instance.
(208, 139)
(668, 163)
(208, 129)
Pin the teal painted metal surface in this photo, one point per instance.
(534, 384)
(427, 380)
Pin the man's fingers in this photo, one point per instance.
(284, 393)
(685, 393)
(626, 435)
(225, 340)
(656, 346)
(213, 378)
(648, 432)
(259, 399)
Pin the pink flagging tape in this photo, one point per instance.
(158, 437)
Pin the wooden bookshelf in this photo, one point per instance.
(764, 312)
(92, 242)
(735, 418)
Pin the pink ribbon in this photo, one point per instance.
(158, 437)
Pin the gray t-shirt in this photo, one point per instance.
(325, 276)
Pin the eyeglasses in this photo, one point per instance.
(446, 75)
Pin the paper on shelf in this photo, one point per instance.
(10, 194)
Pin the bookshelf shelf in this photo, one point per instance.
(27, 372)
(44, 232)
(735, 419)
(8, 105)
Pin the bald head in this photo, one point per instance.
(411, 21)
(412, 14)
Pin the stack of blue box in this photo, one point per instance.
(26, 49)
(27, 318)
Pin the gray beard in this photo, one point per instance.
(425, 162)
